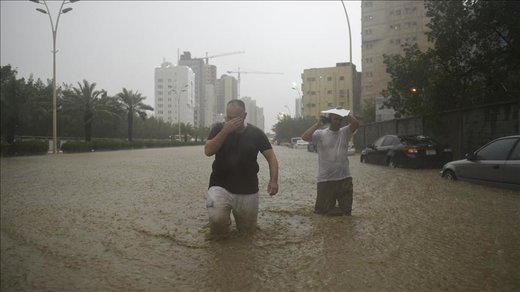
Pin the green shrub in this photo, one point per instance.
(76, 146)
(116, 144)
(4, 147)
(27, 147)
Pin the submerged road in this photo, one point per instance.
(136, 220)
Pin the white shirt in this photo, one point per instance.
(332, 153)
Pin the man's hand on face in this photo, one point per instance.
(233, 125)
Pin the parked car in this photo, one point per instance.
(497, 163)
(406, 151)
(312, 147)
(294, 140)
(351, 149)
(301, 144)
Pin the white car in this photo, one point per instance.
(351, 150)
(301, 144)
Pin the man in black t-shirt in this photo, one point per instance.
(233, 184)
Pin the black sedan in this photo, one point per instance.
(497, 163)
(406, 151)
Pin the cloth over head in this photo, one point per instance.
(340, 112)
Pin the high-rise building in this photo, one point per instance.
(226, 90)
(330, 87)
(298, 108)
(208, 100)
(386, 25)
(255, 114)
(174, 94)
(197, 65)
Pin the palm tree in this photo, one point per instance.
(87, 101)
(133, 104)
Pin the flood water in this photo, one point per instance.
(136, 220)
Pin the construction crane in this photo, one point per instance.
(219, 55)
(238, 72)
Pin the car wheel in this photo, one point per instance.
(449, 175)
(362, 159)
(392, 163)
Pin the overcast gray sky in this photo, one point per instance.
(119, 43)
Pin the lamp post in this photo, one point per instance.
(349, 35)
(288, 110)
(54, 29)
(183, 89)
(298, 112)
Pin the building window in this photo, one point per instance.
(341, 93)
(341, 77)
(329, 91)
(329, 78)
(159, 92)
(329, 104)
(159, 105)
(159, 86)
(160, 80)
(398, 12)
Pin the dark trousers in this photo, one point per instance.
(331, 191)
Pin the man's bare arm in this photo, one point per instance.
(272, 187)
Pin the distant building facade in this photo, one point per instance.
(197, 65)
(174, 93)
(227, 89)
(330, 87)
(298, 108)
(255, 114)
(386, 25)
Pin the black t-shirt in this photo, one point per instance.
(235, 167)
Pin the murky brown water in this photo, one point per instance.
(136, 220)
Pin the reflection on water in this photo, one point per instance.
(136, 220)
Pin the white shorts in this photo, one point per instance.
(220, 203)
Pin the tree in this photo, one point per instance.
(475, 59)
(13, 99)
(368, 112)
(409, 91)
(86, 102)
(287, 127)
(133, 104)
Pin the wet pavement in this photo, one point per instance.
(136, 220)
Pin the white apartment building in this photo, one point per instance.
(174, 93)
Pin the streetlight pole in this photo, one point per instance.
(54, 34)
(349, 34)
(298, 113)
(184, 88)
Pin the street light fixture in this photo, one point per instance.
(54, 34)
(184, 88)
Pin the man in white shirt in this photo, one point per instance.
(334, 178)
